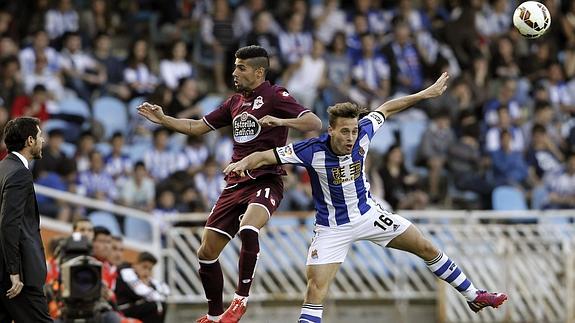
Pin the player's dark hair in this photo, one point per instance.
(146, 256)
(256, 56)
(17, 131)
(346, 110)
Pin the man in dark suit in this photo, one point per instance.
(22, 260)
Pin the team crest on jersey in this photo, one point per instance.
(314, 254)
(361, 151)
(245, 127)
(258, 102)
(285, 93)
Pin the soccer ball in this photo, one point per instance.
(532, 19)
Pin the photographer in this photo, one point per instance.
(139, 295)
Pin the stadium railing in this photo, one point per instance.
(532, 262)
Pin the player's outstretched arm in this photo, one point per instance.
(155, 114)
(307, 122)
(253, 161)
(396, 105)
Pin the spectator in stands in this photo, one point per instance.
(40, 44)
(504, 62)
(42, 75)
(406, 68)
(338, 80)
(61, 178)
(161, 161)
(118, 163)
(176, 67)
(8, 46)
(561, 186)
(543, 115)
(211, 181)
(307, 76)
(543, 156)
(83, 73)
(219, 39)
(245, 15)
(354, 32)
(139, 294)
(85, 227)
(10, 80)
(117, 252)
(371, 74)
(99, 18)
(102, 250)
(434, 15)
(493, 136)
(467, 167)
(560, 95)
(294, 41)
(196, 153)
(139, 190)
(184, 104)
(96, 182)
(35, 105)
(263, 35)
(86, 144)
(508, 165)
(493, 18)
(61, 19)
(138, 73)
(52, 154)
(401, 189)
(504, 99)
(432, 151)
(165, 205)
(376, 21)
(113, 66)
(329, 19)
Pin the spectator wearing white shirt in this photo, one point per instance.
(329, 19)
(139, 190)
(244, 17)
(96, 182)
(43, 75)
(118, 163)
(211, 182)
(305, 77)
(62, 19)
(493, 136)
(138, 74)
(27, 55)
(176, 67)
(160, 161)
(82, 72)
(295, 42)
(561, 186)
(197, 153)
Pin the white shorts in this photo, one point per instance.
(331, 244)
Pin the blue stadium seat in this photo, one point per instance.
(508, 198)
(112, 113)
(137, 229)
(384, 138)
(75, 107)
(411, 132)
(68, 149)
(107, 220)
(539, 197)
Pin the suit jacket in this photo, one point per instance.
(21, 249)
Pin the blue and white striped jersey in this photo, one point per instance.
(339, 185)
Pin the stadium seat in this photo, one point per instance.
(112, 113)
(75, 107)
(384, 138)
(508, 198)
(136, 229)
(107, 220)
(411, 132)
(539, 197)
(68, 149)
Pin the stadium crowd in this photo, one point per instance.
(506, 119)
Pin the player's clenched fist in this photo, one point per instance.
(151, 112)
(236, 168)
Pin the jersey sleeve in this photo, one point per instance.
(286, 107)
(221, 116)
(371, 123)
(299, 153)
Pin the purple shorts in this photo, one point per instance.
(225, 217)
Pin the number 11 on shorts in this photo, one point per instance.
(383, 222)
(266, 193)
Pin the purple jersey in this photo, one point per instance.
(242, 112)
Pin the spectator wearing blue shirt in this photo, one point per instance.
(509, 166)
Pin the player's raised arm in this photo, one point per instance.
(155, 114)
(396, 105)
(253, 161)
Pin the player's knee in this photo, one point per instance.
(205, 252)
